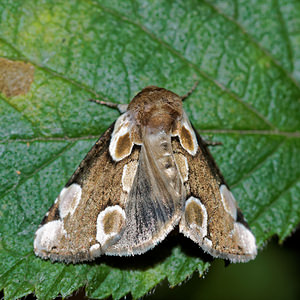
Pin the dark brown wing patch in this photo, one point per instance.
(124, 145)
(186, 139)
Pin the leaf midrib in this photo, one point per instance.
(270, 133)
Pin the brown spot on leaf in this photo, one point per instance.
(193, 214)
(124, 145)
(15, 77)
(113, 222)
(186, 139)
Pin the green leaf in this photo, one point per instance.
(245, 55)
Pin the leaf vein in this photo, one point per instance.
(272, 201)
(33, 127)
(15, 265)
(295, 134)
(50, 139)
(285, 36)
(201, 131)
(57, 280)
(54, 73)
(259, 163)
(44, 165)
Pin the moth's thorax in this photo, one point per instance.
(160, 144)
(156, 108)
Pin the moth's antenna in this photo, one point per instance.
(120, 107)
(190, 91)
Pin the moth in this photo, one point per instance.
(149, 172)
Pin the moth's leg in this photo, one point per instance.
(211, 143)
(190, 91)
(120, 107)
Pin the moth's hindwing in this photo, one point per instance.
(212, 218)
(89, 213)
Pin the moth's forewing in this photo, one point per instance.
(69, 230)
(212, 218)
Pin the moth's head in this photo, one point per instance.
(156, 107)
